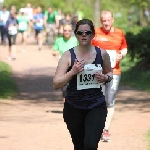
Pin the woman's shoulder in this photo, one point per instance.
(103, 51)
(66, 54)
(104, 54)
(98, 48)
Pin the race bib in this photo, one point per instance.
(22, 26)
(12, 30)
(86, 79)
(113, 56)
(39, 23)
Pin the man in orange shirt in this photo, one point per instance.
(113, 40)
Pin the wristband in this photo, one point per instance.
(109, 79)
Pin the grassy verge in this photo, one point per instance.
(148, 139)
(133, 76)
(8, 88)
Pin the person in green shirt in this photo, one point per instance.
(22, 27)
(50, 22)
(64, 43)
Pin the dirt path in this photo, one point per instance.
(33, 121)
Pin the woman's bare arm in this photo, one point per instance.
(62, 77)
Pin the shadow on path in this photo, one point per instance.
(37, 84)
(131, 99)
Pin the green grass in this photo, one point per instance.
(8, 88)
(133, 76)
(148, 139)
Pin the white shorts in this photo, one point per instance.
(110, 90)
(51, 26)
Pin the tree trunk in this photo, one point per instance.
(142, 19)
(97, 13)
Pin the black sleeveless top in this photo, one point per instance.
(86, 98)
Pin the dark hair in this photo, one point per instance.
(85, 21)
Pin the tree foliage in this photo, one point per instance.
(138, 45)
(139, 3)
(86, 6)
(66, 5)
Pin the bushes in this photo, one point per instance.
(139, 47)
(8, 88)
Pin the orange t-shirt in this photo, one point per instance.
(112, 42)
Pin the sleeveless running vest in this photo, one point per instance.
(85, 98)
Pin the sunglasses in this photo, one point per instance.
(84, 32)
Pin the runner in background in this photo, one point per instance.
(4, 15)
(13, 9)
(23, 27)
(65, 20)
(29, 13)
(59, 17)
(34, 10)
(38, 20)
(74, 21)
(51, 22)
(11, 27)
(113, 40)
(64, 43)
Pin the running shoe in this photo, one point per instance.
(13, 58)
(105, 136)
(39, 48)
(9, 58)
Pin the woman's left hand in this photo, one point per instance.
(100, 77)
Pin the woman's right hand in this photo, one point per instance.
(77, 67)
(10, 25)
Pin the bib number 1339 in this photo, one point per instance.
(86, 79)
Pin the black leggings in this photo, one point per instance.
(12, 39)
(85, 126)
